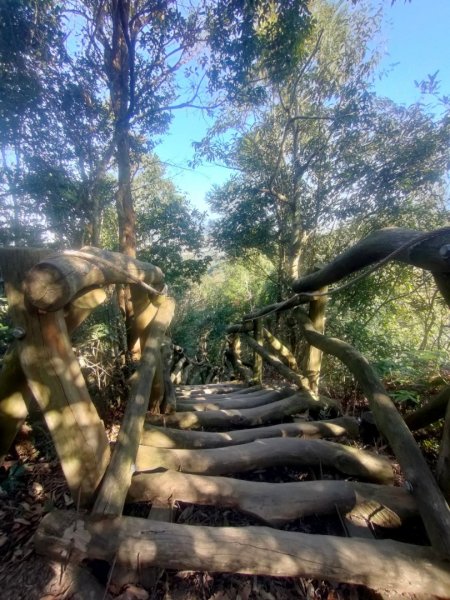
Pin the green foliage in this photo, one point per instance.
(170, 232)
(5, 328)
(226, 292)
(254, 42)
(248, 223)
(30, 31)
(405, 397)
(326, 151)
(16, 480)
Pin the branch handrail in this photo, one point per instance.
(381, 247)
(427, 250)
(53, 282)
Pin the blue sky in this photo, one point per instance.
(417, 43)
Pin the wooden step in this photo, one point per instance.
(268, 453)
(237, 401)
(278, 503)
(248, 417)
(378, 564)
(163, 437)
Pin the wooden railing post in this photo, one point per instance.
(443, 463)
(169, 401)
(114, 487)
(282, 351)
(235, 352)
(55, 379)
(257, 358)
(313, 356)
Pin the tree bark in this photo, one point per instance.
(261, 551)
(118, 63)
(268, 453)
(277, 503)
(115, 484)
(274, 412)
(177, 438)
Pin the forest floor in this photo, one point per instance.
(32, 484)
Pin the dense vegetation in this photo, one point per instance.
(318, 160)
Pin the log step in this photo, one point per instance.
(236, 401)
(268, 453)
(164, 437)
(274, 412)
(212, 388)
(278, 503)
(378, 564)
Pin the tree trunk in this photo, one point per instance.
(124, 200)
